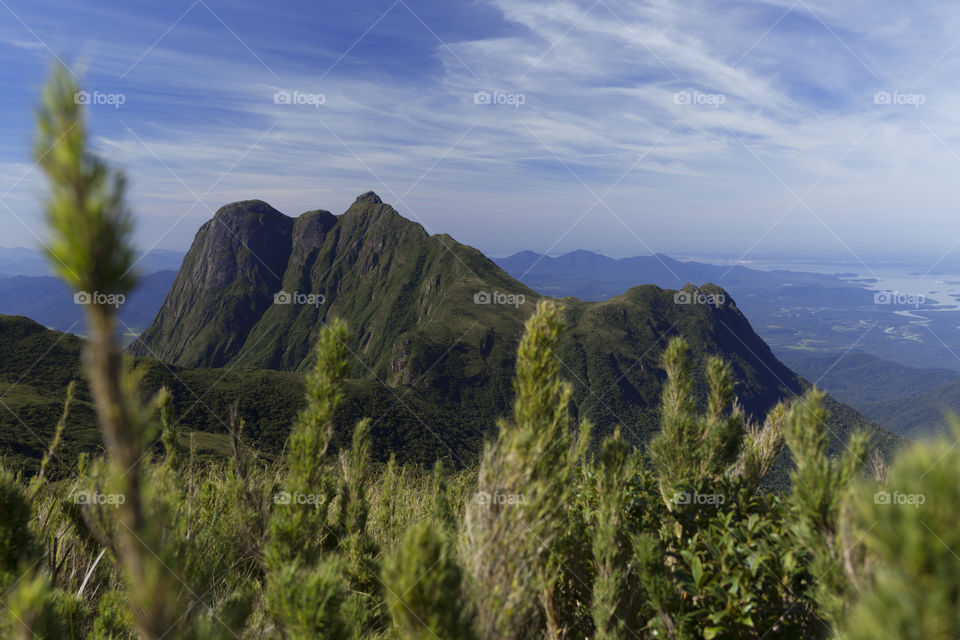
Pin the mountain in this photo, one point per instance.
(20, 261)
(910, 401)
(796, 313)
(438, 321)
(591, 276)
(408, 297)
(921, 415)
(861, 380)
(50, 302)
(27, 288)
(36, 365)
(159, 260)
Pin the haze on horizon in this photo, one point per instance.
(712, 128)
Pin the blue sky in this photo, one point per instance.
(697, 128)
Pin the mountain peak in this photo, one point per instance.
(369, 196)
(241, 207)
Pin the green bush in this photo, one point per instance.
(424, 586)
(908, 585)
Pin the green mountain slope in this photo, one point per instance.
(37, 364)
(922, 415)
(910, 401)
(860, 379)
(257, 285)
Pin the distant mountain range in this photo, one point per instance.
(923, 414)
(794, 312)
(50, 302)
(28, 289)
(591, 276)
(20, 261)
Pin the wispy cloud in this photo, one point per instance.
(735, 109)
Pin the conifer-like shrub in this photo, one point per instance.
(423, 584)
(514, 525)
(908, 585)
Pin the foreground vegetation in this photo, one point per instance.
(545, 538)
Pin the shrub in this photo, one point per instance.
(424, 586)
(514, 525)
(909, 586)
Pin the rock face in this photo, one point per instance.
(256, 286)
(432, 317)
(223, 287)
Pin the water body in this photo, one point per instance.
(913, 317)
(913, 285)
